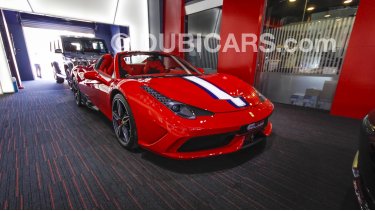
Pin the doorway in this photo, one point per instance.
(201, 24)
(38, 47)
(303, 77)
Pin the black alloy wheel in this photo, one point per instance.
(77, 94)
(123, 123)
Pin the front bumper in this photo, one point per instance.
(227, 136)
(361, 192)
(238, 142)
(162, 132)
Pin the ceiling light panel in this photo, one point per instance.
(18, 5)
(310, 8)
(88, 10)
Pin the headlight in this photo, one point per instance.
(370, 128)
(183, 110)
(261, 97)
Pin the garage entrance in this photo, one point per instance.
(38, 46)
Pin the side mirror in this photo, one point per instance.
(58, 51)
(93, 75)
(201, 70)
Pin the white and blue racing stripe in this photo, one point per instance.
(216, 92)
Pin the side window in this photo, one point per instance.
(128, 60)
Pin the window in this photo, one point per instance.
(201, 24)
(305, 77)
(72, 45)
(96, 46)
(84, 45)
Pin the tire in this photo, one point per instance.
(78, 97)
(68, 79)
(123, 123)
(59, 80)
(74, 84)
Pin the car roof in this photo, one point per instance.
(82, 38)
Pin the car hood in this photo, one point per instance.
(202, 91)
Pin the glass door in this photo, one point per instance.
(310, 39)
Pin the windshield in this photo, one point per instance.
(80, 45)
(96, 46)
(154, 65)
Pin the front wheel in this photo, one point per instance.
(69, 78)
(77, 93)
(123, 123)
(78, 98)
(59, 80)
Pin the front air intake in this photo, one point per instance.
(206, 142)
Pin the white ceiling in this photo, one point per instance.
(19, 5)
(132, 13)
(90, 10)
(102, 11)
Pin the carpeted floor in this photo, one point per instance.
(54, 155)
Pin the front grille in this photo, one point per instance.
(206, 142)
(216, 141)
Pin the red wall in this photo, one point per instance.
(174, 16)
(240, 16)
(355, 95)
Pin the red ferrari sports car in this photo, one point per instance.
(161, 103)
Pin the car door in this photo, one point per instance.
(87, 86)
(98, 86)
(101, 91)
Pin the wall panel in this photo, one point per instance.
(240, 16)
(355, 95)
(174, 18)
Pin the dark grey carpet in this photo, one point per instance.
(54, 155)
